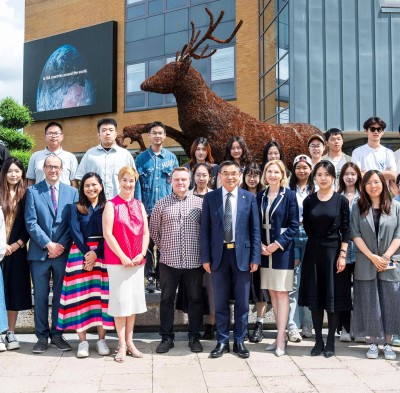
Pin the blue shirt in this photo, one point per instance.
(83, 226)
(154, 176)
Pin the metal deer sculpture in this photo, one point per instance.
(202, 113)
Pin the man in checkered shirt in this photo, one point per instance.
(175, 229)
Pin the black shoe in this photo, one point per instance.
(219, 350)
(60, 343)
(329, 350)
(165, 345)
(195, 344)
(241, 350)
(150, 286)
(40, 346)
(317, 349)
(209, 332)
(257, 335)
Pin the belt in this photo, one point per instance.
(229, 245)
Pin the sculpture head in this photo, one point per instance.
(169, 79)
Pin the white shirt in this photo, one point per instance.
(234, 199)
(35, 166)
(367, 158)
(107, 165)
(397, 158)
(56, 189)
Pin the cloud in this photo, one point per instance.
(11, 48)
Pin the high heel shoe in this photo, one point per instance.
(121, 354)
(133, 351)
(271, 347)
(279, 352)
(317, 349)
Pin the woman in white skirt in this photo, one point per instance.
(126, 236)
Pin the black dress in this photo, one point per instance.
(16, 271)
(327, 224)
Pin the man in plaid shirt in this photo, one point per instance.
(175, 229)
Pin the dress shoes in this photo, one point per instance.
(271, 347)
(257, 335)
(318, 349)
(219, 350)
(241, 350)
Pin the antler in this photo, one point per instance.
(189, 50)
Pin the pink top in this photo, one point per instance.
(127, 229)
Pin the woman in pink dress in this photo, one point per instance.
(126, 236)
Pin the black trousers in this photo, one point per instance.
(169, 281)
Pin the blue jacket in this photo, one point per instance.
(43, 225)
(247, 230)
(154, 176)
(284, 221)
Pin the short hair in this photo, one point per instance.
(372, 120)
(180, 169)
(156, 124)
(127, 170)
(228, 163)
(282, 168)
(106, 120)
(333, 131)
(330, 168)
(53, 124)
(50, 156)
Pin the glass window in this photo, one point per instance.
(155, 26)
(144, 49)
(133, 1)
(135, 75)
(201, 66)
(135, 30)
(171, 4)
(224, 89)
(176, 21)
(223, 64)
(155, 66)
(136, 11)
(155, 99)
(136, 100)
(175, 41)
(155, 7)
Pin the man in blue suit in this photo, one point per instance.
(46, 216)
(230, 250)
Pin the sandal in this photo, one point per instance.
(133, 351)
(121, 354)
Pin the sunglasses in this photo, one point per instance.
(375, 129)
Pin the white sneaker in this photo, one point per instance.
(344, 336)
(11, 341)
(83, 350)
(388, 352)
(373, 351)
(2, 344)
(307, 331)
(294, 336)
(102, 348)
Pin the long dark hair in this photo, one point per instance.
(293, 179)
(385, 200)
(264, 159)
(245, 159)
(83, 203)
(252, 169)
(342, 185)
(206, 144)
(11, 205)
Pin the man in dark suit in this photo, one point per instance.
(230, 250)
(46, 216)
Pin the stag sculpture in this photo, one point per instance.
(202, 113)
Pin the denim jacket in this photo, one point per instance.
(154, 176)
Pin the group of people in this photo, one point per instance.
(297, 241)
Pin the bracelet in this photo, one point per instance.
(385, 257)
(341, 256)
(19, 244)
(345, 251)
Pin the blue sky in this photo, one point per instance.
(11, 48)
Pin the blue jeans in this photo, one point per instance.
(41, 273)
(298, 316)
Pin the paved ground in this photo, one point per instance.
(182, 371)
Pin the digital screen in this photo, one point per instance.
(72, 74)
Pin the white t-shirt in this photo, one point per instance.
(397, 158)
(367, 158)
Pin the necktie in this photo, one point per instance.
(228, 230)
(53, 198)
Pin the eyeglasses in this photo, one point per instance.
(373, 183)
(232, 174)
(53, 167)
(376, 129)
(56, 134)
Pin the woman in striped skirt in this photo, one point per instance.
(84, 297)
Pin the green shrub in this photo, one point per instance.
(24, 156)
(16, 140)
(13, 114)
